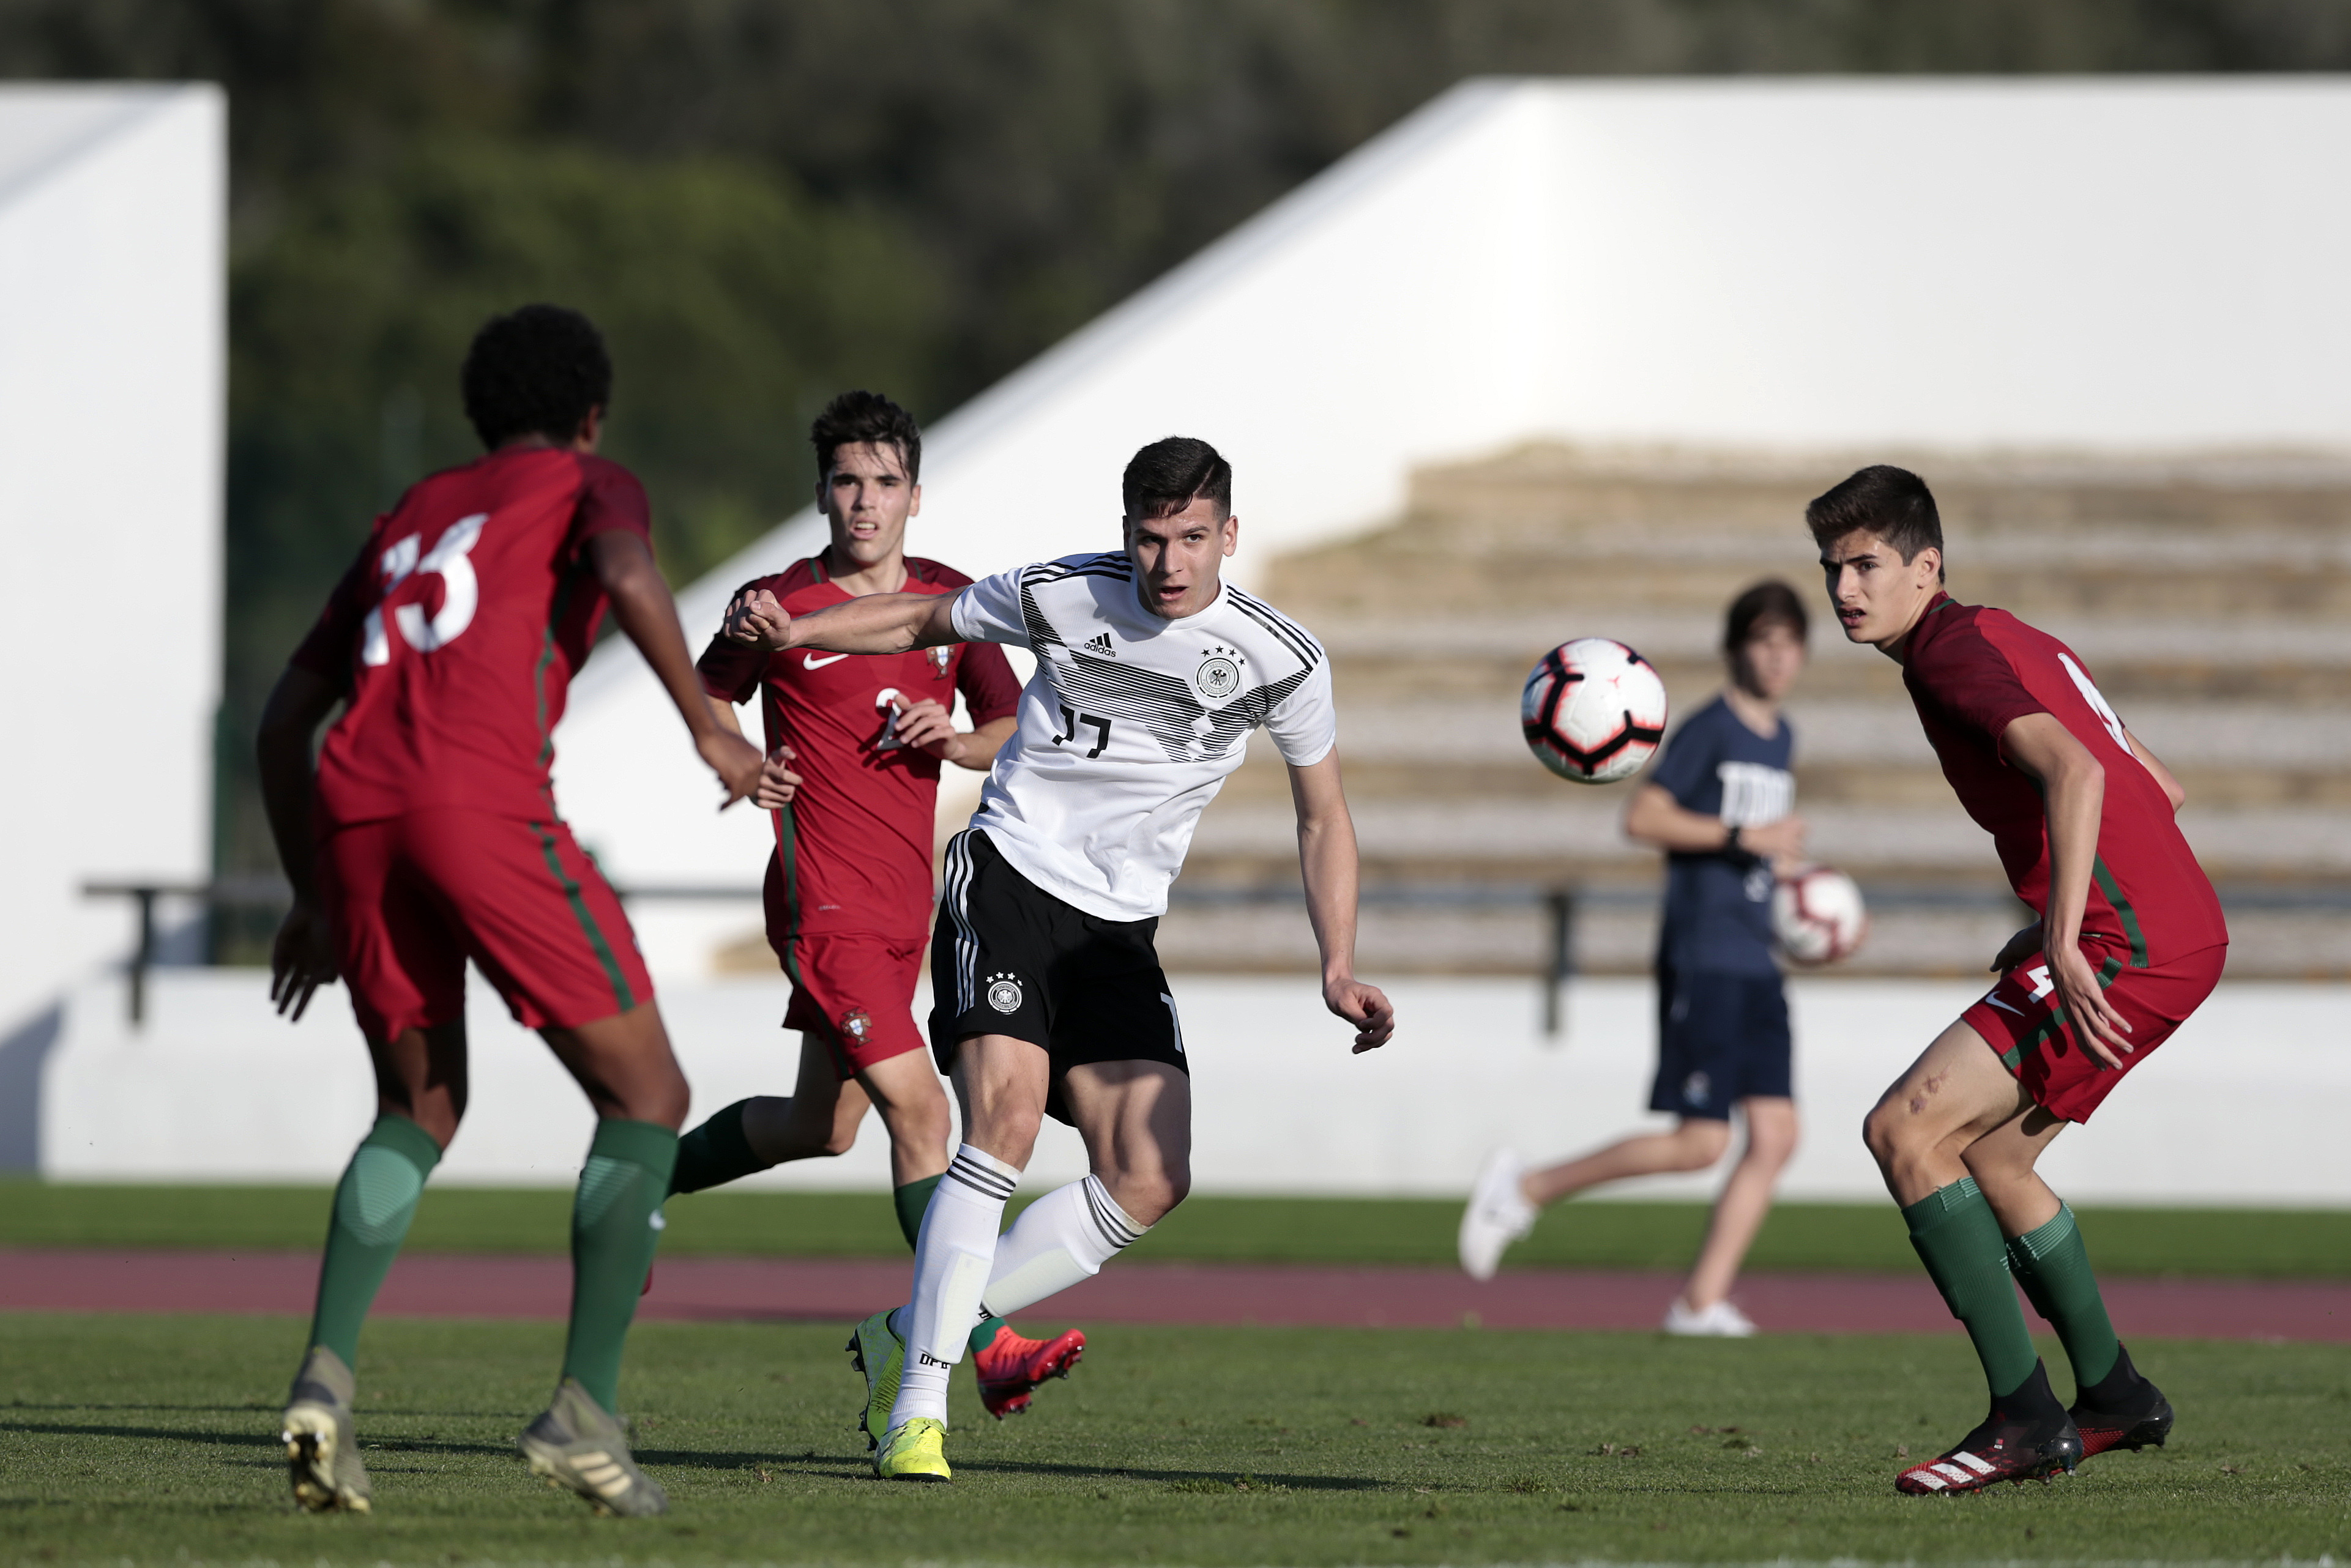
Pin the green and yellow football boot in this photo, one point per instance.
(321, 1450)
(875, 1350)
(914, 1450)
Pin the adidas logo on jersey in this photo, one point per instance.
(1101, 644)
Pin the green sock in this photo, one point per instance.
(716, 1152)
(373, 1204)
(616, 1222)
(2054, 1270)
(1966, 1257)
(910, 1200)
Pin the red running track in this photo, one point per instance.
(845, 1290)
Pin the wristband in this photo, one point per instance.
(1730, 841)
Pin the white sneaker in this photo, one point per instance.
(1498, 1215)
(1720, 1320)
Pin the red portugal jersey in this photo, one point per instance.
(853, 849)
(455, 634)
(1972, 672)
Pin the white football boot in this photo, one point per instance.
(1720, 1320)
(1498, 1215)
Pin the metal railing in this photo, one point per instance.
(271, 892)
(1559, 904)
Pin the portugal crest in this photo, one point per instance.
(856, 1024)
(939, 657)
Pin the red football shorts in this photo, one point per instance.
(855, 992)
(2021, 1020)
(413, 897)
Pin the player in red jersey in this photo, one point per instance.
(429, 836)
(856, 741)
(2129, 942)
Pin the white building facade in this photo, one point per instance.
(113, 389)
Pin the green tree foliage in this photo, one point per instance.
(733, 303)
(763, 201)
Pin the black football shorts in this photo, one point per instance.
(1720, 1040)
(1008, 957)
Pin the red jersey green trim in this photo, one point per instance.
(2123, 911)
(586, 917)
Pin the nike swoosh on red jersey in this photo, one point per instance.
(810, 662)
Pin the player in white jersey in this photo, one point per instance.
(1048, 997)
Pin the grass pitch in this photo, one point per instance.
(140, 1439)
(2237, 1243)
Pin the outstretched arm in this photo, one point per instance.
(623, 564)
(2074, 786)
(870, 623)
(1327, 860)
(303, 958)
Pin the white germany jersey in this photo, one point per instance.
(1132, 723)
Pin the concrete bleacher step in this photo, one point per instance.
(2206, 595)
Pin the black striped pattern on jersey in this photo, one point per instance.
(982, 1179)
(1108, 1218)
(1164, 706)
(1110, 563)
(1297, 638)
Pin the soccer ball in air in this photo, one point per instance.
(1593, 711)
(1817, 916)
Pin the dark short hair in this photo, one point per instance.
(535, 371)
(869, 417)
(1892, 503)
(1769, 604)
(1168, 475)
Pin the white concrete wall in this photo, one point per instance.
(2241, 1107)
(112, 396)
(2118, 263)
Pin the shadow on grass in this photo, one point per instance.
(237, 1438)
(250, 1408)
(1222, 1477)
(857, 1467)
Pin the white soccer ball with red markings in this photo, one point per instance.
(1817, 916)
(1593, 711)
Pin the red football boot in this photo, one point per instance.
(2027, 1437)
(1011, 1367)
(2122, 1410)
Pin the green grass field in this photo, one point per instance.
(151, 1439)
(2223, 1243)
(2197, 1242)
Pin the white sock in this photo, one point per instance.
(1064, 1236)
(952, 1257)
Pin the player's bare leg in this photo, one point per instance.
(1922, 1126)
(1135, 1118)
(1925, 1134)
(624, 1065)
(1694, 1143)
(821, 1117)
(1506, 1197)
(1746, 1200)
(818, 1120)
(420, 1076)
(2114, 1406)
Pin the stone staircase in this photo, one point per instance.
(2210, 597)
